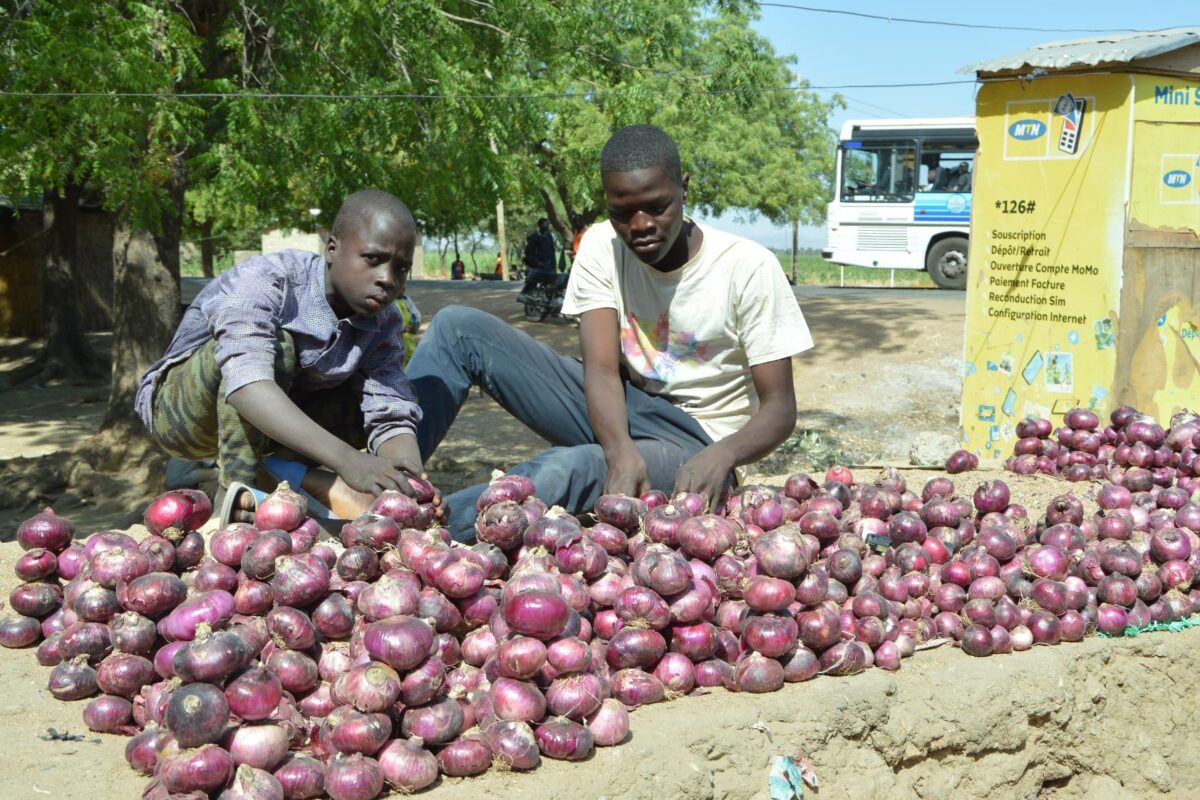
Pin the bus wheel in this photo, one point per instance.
(947, 263)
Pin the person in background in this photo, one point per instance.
(458, 270)
(294, 360)
(540, 251)
(687, 335)
(580, 227)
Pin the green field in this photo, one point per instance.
(811, 270)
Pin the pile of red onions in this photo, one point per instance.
(265, 663)
(1133, 450)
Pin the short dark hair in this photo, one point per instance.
(637, 147)
(357, 206)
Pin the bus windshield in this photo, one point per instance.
(878, 171)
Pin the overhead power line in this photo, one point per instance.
(946, 23)
(406, 96)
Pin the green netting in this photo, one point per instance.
(1176, 626)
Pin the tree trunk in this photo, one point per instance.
(795, 244)
(145, 301)
(502, 239)
(66, 352)
(206, 248)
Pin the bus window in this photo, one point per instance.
(879, 173)
(949, 170)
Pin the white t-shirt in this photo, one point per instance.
(693, 333)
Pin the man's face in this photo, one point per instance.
(646, 209)
(369, 264)
(543, 226)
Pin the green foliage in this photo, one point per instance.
(458, 104)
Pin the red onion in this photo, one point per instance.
(369, 687)
(358, 563)
(771, 635)
(349, 731)
(210, 657)
(470, 754)
(390, 596)
(400, 642)
(153, 595)
(398, 506)
(124, 675)
(620, 511)
(564, 739)
(212, 608)
(142, 750)
(283, 509)
(73, 680)
(261, 744)
(517, 700)
(36, 599)
(663, 570)
(90, 639)
(334, 617)
(503, 524)
(713, 672)
(353, 777)
(174, 513)
(212, 575)
(37, 564)
(991, 496)
(407, 766)
(635, 647)
(291, 628)
(197, 714)
(540, 614)
(513, 745)
(757, 674)
(706, 536)
(250, 783)
(71, 561)
(253, 694)
(109, 714)
(296, 671)
(19, 631)
(576, 696)
(371, 530)
(633, 687)
(300, 581)
(661, 524)
(961, 461)
(301, 777)
(164, 658)
(189, 551)
(435, 723)
(676, 673)
(204, 769)
(46, 531)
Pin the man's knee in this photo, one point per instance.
(460, 319)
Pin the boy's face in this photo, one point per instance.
(645, 208)
(369, 264)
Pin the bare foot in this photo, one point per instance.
(346, 502)
(243, 507)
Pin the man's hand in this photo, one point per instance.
(707, 474)
(375, 475)
(627, 473)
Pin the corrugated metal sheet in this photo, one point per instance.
(1091, 51)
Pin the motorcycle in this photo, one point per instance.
(544, 299)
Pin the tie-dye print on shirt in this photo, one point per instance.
(658, 354)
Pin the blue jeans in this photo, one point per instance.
(465, 347)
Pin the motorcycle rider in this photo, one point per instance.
(539, 256)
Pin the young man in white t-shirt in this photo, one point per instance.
(687, 335)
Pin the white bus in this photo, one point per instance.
(903, 196)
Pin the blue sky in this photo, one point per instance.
(833, 49)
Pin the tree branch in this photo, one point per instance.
(479, 22)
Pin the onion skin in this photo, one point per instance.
(47, 531)
(142, 750)
(109, 714)
(262, 745)
(19, 631)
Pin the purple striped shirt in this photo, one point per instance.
(245, 308)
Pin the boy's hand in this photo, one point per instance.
(374, 475)
(706, 473)
(627, 473)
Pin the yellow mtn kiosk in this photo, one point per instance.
(1084, 273)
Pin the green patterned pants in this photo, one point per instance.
(192, 419)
